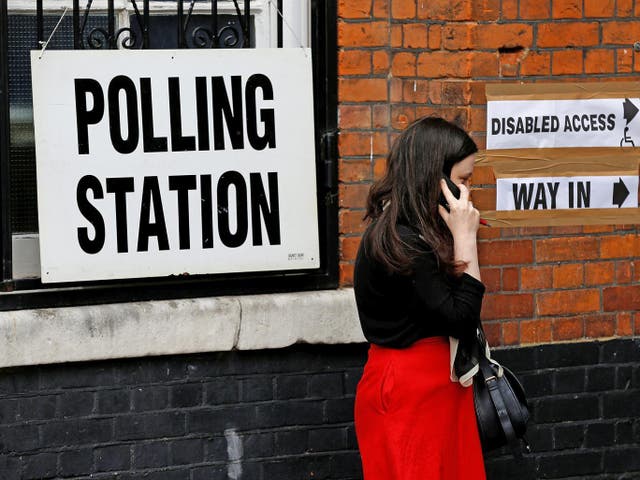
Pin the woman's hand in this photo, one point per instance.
(462, 218)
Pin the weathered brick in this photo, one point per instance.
(536, 63)
(493, 333)
(535, 331)
(567, 248)
(570, 34)
(486, 10)
(491, 277)
(567, 302)
(371, 34)
(599, 61)
(568, 328)
(599, 273)
(620, 246)
(507, 35)
(150, 398)
(620, 33)
(415, 35)
(458, 36)
(600, 326)
(503, 306)
(186, 395)
(39, 466)
(510, 279)
(511, 333)
(379, 168)
(349, 248)
(599, 8)
(362, 89)
(535, 10)
(354, 62)
(415, 91)
(623, 272)
(381, 62)
(509, 10)
(113, 457)
(450, 10)
(396, 90)
(43, 407)
(435, 37)
(354, 116)
(567, 62)
(188, 451)
(351, 221)
(354, 8)
(403, 64)
(403, 9)
(624, 324)
(362, 143)
(354, 170)
(381, 116)
(537, 277)
(568, 275)
(76, 462)
(112, 401)
(505, 252)
(396, 36)
(624, 8)
(402, 116)
(624, 60)
(439, 64)
(621, 298)
(151, 455)
(135, 427)
(381, 8)
(346, 273)
(567, 9)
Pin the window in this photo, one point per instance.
(302, 23)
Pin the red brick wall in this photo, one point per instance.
(401, 59)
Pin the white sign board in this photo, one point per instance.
(160, 162)
(559, 193)
(608, 122)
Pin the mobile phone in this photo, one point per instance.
(454, 190)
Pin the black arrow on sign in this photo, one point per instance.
(620, 193)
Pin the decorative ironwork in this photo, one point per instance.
(228, 36)
(217, 34)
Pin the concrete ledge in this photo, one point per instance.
(253, 322)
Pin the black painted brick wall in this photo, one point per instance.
(288, 414)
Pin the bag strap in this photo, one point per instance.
(491, 381)
(486, 364)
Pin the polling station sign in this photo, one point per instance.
(155, 163)
(563, 115)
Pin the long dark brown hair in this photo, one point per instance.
(408, 194)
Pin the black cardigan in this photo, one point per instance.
(396, 310)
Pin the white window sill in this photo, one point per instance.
(251, 322)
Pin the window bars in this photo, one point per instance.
(217, 34)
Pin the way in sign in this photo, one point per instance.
(556, 193)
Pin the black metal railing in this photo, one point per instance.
(217, 34)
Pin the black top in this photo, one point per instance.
(396, 310)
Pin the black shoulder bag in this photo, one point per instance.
(501, 406)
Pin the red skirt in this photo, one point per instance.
(412, 422)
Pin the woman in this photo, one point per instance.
(417, 282)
